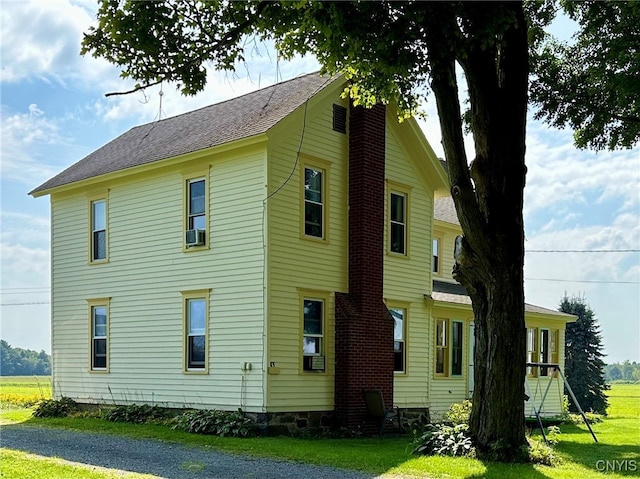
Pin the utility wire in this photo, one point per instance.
(25, 304)
(582, 250)
(582, 281)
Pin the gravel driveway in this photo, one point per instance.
(163, 459)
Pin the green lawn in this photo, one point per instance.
(618, 447)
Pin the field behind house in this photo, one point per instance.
(23, 391)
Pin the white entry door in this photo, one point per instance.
(472, 342)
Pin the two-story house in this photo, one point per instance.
(278, 252)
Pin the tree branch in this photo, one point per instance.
(137, 88)
(627, 118)
(228, 39)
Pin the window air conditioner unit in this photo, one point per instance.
(317, 363)
(194, 237)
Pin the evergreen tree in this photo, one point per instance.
(584, 366)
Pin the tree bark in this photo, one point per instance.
(488, 196)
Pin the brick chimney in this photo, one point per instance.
(364, 326)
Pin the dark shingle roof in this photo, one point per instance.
(242, 117)
(445, 210)
(456, 293)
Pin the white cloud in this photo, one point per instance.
(24, 135)
(24, 229)
(24, 266)
(42, 40)
(563, 175)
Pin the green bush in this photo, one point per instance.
(134, 413)
(217, 423)
(55, 407)
(592, 417)
(444, 440)
(553, 435)
(541, 453)
(458, 413)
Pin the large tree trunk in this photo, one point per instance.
(489, 198)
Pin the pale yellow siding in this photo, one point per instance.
(408, 278)
(144, 277)
(299, 267)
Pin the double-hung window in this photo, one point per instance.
(398, 223)
(532, 350)
(435, 248)
(98, 230)
(456, 348)
(542, 347)
(196, 326)
(313, 335)
(196, 212)
(314, 202)
(548, 350)
(99, 334)
(197, 204)
(442, 347)
(399, 339)
(449, 347)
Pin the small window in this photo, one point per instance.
(197, 210)
(398, 223)
(195, 306)
(442, 347)
(548, 350)
(456, 348)
(196, 340)
(449, 347)
(99, 335)
(99, 230)
(312, 341)
(436, 256)
(532, 354)
(314, 202)
(399, 335)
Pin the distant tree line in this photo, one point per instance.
(23, 362)
(622, 372)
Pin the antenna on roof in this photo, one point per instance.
(160, 94)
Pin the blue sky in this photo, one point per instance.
(54, 112)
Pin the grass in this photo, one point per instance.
(581, 457)
(20, 465)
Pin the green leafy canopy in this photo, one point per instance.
(591, 85)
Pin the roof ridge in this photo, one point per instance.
(254, 92)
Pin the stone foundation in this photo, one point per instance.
(294, 423)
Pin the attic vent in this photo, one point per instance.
(339, 119)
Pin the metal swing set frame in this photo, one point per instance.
(536, 410)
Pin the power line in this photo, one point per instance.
(25, 304)
(582, 281)
(582, 250)
(25, 289)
